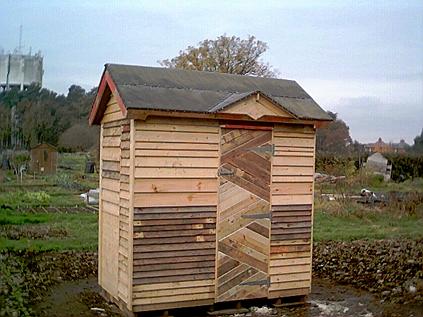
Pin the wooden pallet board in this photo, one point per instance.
(243, 215)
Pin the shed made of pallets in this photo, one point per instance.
(206, 187)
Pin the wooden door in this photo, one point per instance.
(243, 221)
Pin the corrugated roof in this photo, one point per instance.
(154, 88)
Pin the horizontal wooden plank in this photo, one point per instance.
(290, 292)
(292, 199)
(294, 142)
(169, 127)
(172, 227)
(174, 298)
(111, 166)
(293, 161)
(292, 179)
(112, 141)
(114, 116)
(176, 146)
(291, 188)
(110, 153)
(176, 137)
(166, 279)
(174, 215)
(178, 121)
(172, 185)
(118, 123)
(110, 174)
(174, 199)
(113, 131)
(173, 260)
(289, 255)
(110, 204)
(278, 231)
(171, 240)
(176, 153)
(177, 162)
(175, 247)
(285, 208)
(291, 225)
(287, 153)
(139, 255)
(279, 237)
(155, 267)
(166, 306)
(170, 172)
(175, 291)
(160, 210)
(172, 286)
(288, 262)
(110, 184)
(294, 128)
(173, 272)
(289, 248)
(288, 219)
(172, 222)
(289, 285)
(293, 171)
(286, 134)
(293, 213)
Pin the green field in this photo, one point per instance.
(344, 220)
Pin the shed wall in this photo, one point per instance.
(114, 204)
(175, 199)
(292, 210)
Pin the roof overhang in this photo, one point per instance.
(107, 88)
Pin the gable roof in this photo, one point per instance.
(154, 88)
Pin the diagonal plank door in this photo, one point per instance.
(243, 222)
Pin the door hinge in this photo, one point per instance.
(265, 282)
(268, 148)
(225, 172)
(258, 216)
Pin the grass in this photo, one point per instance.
(81, 231)
(375, 226)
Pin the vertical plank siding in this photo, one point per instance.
(292, 211)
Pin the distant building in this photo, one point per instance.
(379, 164)
(43, 159)
(382, 147)
(20, 70)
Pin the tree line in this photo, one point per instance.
(39, 115)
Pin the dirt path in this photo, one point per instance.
(76, 298)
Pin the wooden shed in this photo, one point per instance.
(206, 187)
(43, 159)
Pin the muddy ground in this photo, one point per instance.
(80, 298)
(361, 278)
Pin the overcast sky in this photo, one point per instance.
(361, 59)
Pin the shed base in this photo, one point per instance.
(118, 302)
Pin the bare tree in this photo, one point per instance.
(225, 55)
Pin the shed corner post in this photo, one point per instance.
(100, 211)
(131, 212)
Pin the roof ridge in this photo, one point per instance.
(210, 90)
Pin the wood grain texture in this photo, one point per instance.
(244, 195)
(174, 254)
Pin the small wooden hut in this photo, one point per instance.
(206, 187)
(43, 159)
